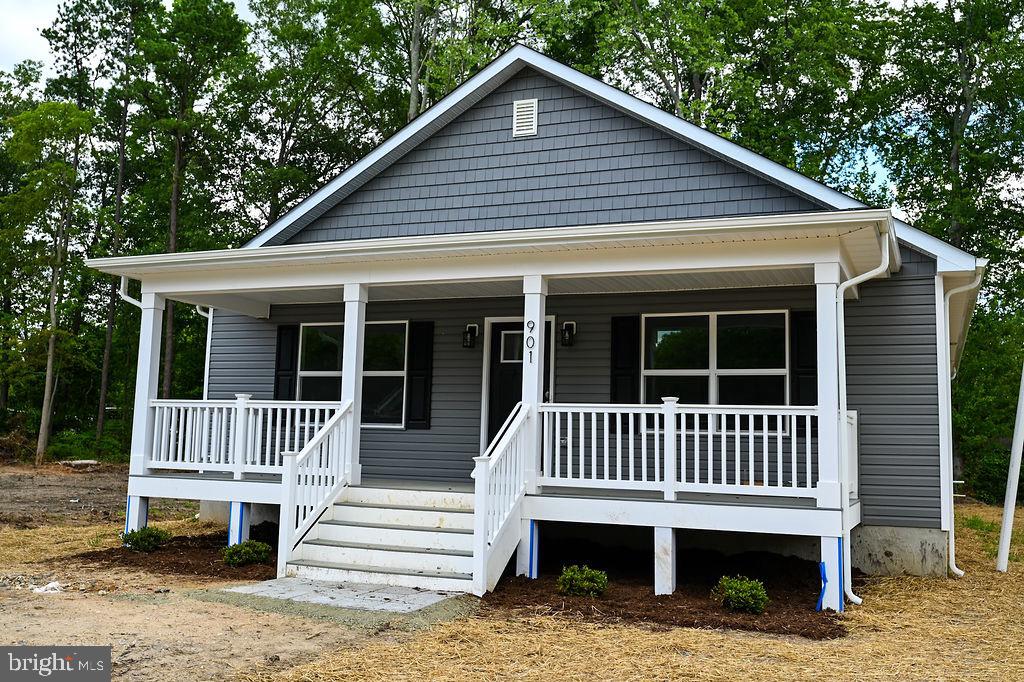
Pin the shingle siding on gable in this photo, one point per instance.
(588, 164)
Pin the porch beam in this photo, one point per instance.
(352, 368)
(558, 263)
(147, 374)
(826, 282)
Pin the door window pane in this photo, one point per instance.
(384, 347)
(689, 390)
(383, 398)
(512, 346)
(320, 388)
(752, 341)
(676, 342)
(321, 348)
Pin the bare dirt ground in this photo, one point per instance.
(166, 621)
(162, 613)
(56, 494)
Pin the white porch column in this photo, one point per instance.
(664, 560)
(352, 368)
(535, 290)
(147, 374)
(826, 281)
(831, 574)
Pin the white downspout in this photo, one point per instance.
(208, 314)
(123, 293)
(956, 570)
(882, 267)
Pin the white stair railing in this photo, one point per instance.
(312, 480)
(500, 476)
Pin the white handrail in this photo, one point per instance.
(311, 481)
(500, 476)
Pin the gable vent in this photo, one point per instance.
(524, 117)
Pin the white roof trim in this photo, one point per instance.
(949, 257)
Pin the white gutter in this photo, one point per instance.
(956, 570)
(883, 267)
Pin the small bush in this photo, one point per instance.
(248, 552)
(741, 594)
(145, 539)
(582, 581)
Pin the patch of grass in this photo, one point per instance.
(987, 533)
(248, 552)
(582, 581)
(745, 595)
(146, 539)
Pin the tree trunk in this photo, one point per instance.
(414, 60)
(172, 246)
(46, 419)
(5, 383)
(112, 295)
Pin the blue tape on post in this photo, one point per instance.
(532, 570)
(127, 512)
(824, 585)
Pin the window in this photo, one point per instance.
(512, 346)
(717, 358)
(384, 365)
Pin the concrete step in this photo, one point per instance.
(400, 497)
(357, 513)
(397, 535)
(377, 575)
(387, 556)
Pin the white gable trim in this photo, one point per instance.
(949, 257)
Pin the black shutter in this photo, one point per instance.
(419, 375)
(285, 370)
(625, 360)
(804, 346)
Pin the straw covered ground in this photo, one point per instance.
(908, 628)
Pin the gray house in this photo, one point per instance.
(546, 300)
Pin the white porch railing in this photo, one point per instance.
(312, 480)
(241, 436)
(751, 450)
(500, 475)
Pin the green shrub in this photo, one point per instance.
(145, 539)
(582, 581)
(248, 552)
(741, 594)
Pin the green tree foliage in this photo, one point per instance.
(179, 126)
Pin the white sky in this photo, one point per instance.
(21, 21)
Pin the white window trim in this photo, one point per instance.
(713, 371)
(404, 372)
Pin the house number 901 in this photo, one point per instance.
(530, 341)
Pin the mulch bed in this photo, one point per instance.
(690, 606)
(198, 557)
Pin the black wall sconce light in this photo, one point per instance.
(568, 333)
(469, 336)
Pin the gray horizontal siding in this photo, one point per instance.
(892, 381)
(588, 164)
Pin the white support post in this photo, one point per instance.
(826, 281)
(352, 370)
(664, 560)
(535, 290)
(669, 408)
(526, 554)
(286, 517)
(1010, 500)
(481, 474)
(238, 522)
(147, 376)
(832, 573)
(240, 435)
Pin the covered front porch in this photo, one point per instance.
(670, 378)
